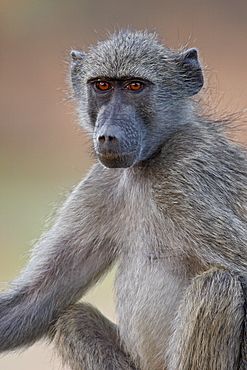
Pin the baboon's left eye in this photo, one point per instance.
(135, 86)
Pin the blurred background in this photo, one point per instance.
(42, 151)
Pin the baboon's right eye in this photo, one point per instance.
(102, 85)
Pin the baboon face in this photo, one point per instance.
(132, 92)
(120, 127)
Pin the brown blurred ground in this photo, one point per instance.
(41, 151)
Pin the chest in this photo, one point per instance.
(150, 278)
(153, 272)
(151, 249)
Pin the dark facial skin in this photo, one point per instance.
(119, 128)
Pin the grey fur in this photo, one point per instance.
(174, 216)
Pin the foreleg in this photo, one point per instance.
(87, 340)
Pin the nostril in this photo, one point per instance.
(103, 139)
(112, 138)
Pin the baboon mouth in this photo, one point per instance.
(115, 155)
(109, 155)
(113, 160)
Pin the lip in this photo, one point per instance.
(109, 154)
(113, 160)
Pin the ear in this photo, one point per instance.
(75, 71)
(191, 71)
(76, 55)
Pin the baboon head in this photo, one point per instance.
(133, 93)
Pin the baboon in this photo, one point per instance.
(166, 201)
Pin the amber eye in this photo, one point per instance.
(134, 86)
(103, 85)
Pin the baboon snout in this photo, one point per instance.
(109, 140)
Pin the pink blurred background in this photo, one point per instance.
(42, 152)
